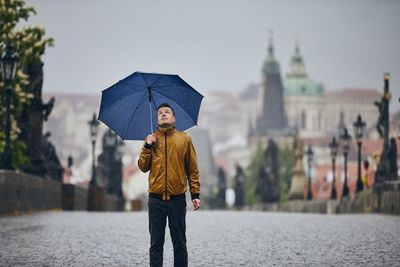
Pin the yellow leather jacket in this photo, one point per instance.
(172, 162)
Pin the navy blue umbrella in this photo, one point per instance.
(129, 107)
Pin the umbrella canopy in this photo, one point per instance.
(129, 107)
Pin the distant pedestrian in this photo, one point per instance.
(171, 158)
(368, 177)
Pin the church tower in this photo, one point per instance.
(272, 117)
(304, 98)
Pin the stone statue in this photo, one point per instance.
(221, 203)
(264, 184)
(52, 163)
(47, 108)
(298, 179)
(239, 186)
(109, 169)
(268, 180)
(31, 121)
(383, 171)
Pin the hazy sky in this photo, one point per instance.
(217, 45)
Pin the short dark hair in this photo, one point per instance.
(166, 105)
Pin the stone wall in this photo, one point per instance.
(381, 199)
(74, 198)
(114, 203)
(101, 201)
(21, 192)
(304, 206)
(390, 203)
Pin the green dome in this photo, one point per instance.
(297, 86)
(297, 83)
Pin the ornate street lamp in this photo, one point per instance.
(94, 128)
(345, 137)
(359, 126)
(333, 146)
(310, 155)
(8, 69)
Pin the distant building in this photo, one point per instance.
(350, 102)
(304, 99)
(272, 116)
(68, 125)
(208, 171)
(221, 115)
(308, 109)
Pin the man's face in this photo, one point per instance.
(165, 116)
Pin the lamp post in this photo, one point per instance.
(8, 68)
(94, 128)
(346, 146)
(359, 126)
(333, 146)
(310, 155)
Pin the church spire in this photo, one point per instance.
(272, 116)
(296, 45)
(271, 65)
(270, 45)
(297, 68)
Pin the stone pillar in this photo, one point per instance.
(298, 179)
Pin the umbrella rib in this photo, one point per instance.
(147, 84)
(174, 85)
(116, 103)
(158, 79)
(131, 84)
(130, 120)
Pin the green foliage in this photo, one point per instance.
(11, 12)
(30, 45)
(286, 160)
(251, 175)
(258, 164)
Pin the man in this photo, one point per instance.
(170, 156)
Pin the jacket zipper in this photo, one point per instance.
(166, 187)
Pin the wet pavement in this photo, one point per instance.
(215, 238)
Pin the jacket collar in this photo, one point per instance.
(167, 131)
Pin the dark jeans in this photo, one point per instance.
(175, 210)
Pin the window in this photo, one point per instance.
(303, 120)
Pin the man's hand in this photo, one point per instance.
(196, 204)
(151, 139)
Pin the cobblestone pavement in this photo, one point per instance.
(215, 238)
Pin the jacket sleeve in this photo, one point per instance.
(145, 157)
(192, 171)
